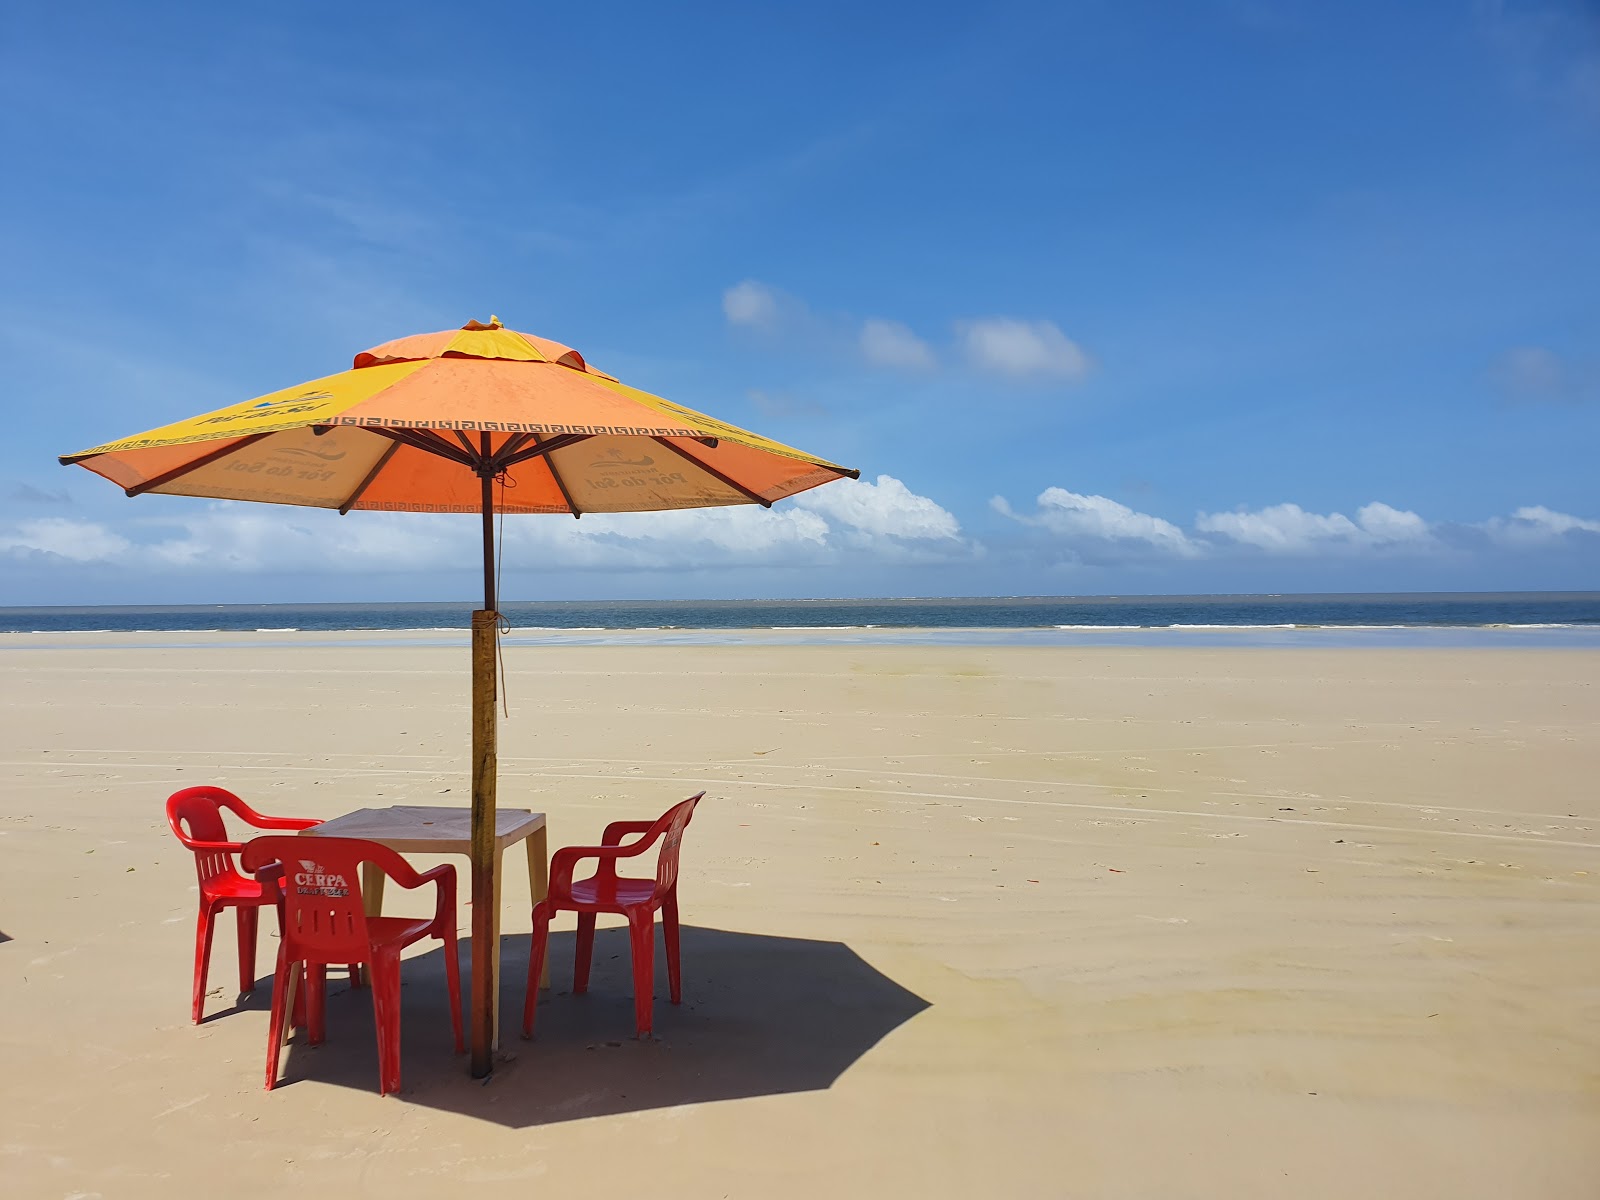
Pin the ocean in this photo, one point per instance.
(1551, 619)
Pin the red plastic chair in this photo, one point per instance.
(324, 922)
(221, 885)
(606, 891)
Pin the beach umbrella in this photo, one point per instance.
(477, 420)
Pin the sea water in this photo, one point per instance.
(1550, 619)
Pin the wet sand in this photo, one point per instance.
(1100, 923)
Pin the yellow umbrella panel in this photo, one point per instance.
(465, 421)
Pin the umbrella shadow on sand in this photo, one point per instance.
(761, 1016)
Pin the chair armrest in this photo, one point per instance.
(271, 876)
(618, 830)
(211, 847)
(444, 876)
(403, 873)
(261, 822)
(565, 860)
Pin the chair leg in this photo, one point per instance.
(669, 936)
(282, 1002)
(538, 951)
(452, 979)
(384, 974)
(585, 953)
(642, 937)
(248, 917)
(202, 957)
(316, 1003)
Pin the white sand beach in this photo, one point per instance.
(1003, 922)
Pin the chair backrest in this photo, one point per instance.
(200, 809)
(673, 822)
(323, 919)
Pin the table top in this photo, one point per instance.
(424, 829)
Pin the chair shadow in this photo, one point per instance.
(761, 1016)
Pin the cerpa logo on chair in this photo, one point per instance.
(313, 880)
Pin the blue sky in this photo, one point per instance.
(1214, 296)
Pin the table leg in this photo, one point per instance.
(372, 879)
(292, 984)
(499, 871)
(539, 881)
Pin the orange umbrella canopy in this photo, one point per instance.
(420, 423)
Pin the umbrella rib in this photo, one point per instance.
(550, 465)
(437, 444)
(204, 460)
(383, 461)
(714, 473)
(512, 444)
(560, 441)
(415, 439)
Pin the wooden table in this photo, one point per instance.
(420, 829)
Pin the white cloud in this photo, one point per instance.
(1092, 524)
(76, 541)
(1290, 529)
(1280, 527)
(843, 526)
(1085, 519)
(890, 344)
(1010, 346)
(706, 535)
(844, 519)
(1382, 523)
(885, 509)
(1022, 349)
(752, 304)
(1536, 525)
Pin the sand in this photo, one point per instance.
(1031, 923)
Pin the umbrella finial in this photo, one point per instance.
(494, 323)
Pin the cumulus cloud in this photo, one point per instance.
(1536, 525)
(1079, 519)
(1022, 349)
(223, 537)
(1385, 524)
(1095, 526)
(74, 541)
(1280, 527)
(890, 344)
(1290, 529)
(1011, 347)
(884, 509)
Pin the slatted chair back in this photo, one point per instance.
(670, 829)
(195, 815)
(324, 920)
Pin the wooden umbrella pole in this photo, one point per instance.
(485, 625)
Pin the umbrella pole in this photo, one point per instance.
(484, 626)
